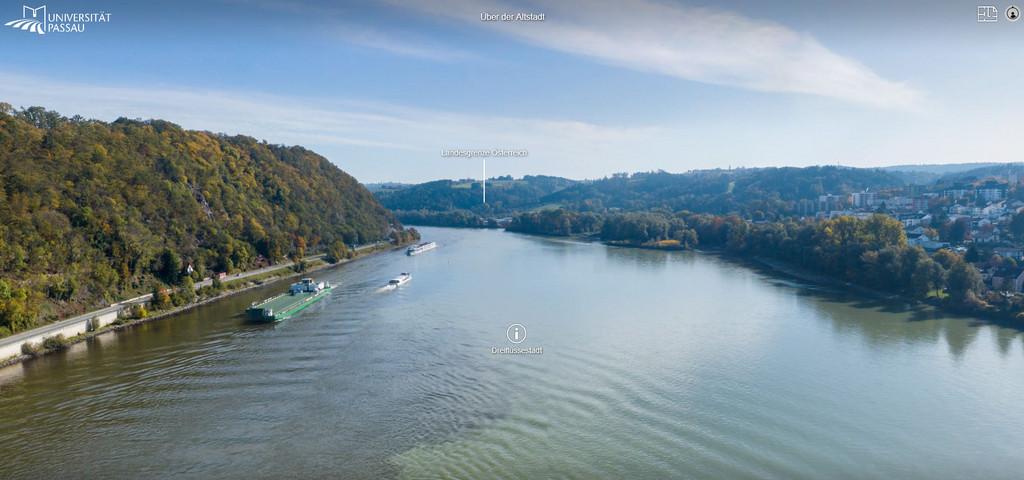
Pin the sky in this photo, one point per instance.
(383, 88)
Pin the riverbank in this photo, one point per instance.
(663, 245)
(784, 269)
(781, 268)
(987, 314)
(57, 342)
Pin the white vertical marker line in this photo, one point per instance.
(485, 180)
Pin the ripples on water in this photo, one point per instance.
(655, 365)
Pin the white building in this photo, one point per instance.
(865, 199)
(993, 209)
(991, 193)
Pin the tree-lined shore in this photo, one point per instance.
(873, 252)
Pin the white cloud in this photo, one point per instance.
(372, 141)
(400, 45)
(344, 27)
(379, 142)
(699, 44)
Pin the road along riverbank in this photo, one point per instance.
(59, 335)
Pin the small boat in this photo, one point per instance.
(398, 281)
(300, 295)
(423, 247)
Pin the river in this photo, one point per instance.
(653, 365)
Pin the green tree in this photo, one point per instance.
(946, 258)
(884, 231)
(928, 275)
(972, 255)
(1017, 226)
(964, 283)
(18, 307)
(958, 231)
(217, 284)
(337, 251)
(185, 293)
(161, 299)
(170, 266)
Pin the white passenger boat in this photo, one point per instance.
(399, 280)
(423, 247)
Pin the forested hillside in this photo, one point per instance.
(756, 193)
(929, 173)
(503, 194)
(91, 211)
(459, 203)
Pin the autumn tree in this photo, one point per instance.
(18, 308)
(337, 251)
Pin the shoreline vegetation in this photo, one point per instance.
(450, 218)
(870, 253)
(227, 289)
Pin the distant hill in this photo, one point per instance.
(941, 169)
(386, 186)
(922, 174)
(504, 194)
(981, 173)
(745, 191)
(93, 211)
(758, 192)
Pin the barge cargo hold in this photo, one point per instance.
(300, 296)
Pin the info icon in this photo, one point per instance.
(516, 333)
(1012, 13)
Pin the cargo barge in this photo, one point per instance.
(300, 295)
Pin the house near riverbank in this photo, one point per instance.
(1010, 280)
(924, 241)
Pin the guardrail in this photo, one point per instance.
(70, 327)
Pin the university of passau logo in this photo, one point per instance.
(37, 20)
(31, 24)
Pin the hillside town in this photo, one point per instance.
(982, 220)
